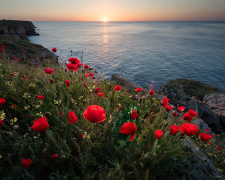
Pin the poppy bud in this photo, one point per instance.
(26, 163)
(158, 134)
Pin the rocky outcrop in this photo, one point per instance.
(209, 117)
(123, 82)
(189, 93)
(207, 169)
(13, 34)
(216, 102)
(17, 29)
(186, 87)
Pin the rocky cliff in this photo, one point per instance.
(13, 35)
(18, 29)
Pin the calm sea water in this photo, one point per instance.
(142, 51)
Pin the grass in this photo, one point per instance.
(216, 155)
(103, 152)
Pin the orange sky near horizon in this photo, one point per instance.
(114, 10)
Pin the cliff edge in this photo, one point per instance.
(13, 35)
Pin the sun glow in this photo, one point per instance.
(105, 20)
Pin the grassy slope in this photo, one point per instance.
(103, 152)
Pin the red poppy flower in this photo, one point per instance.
(187, 117)
(60, 114)
(205, 137)
(79, 65)
(210, 143)
(85, 85)
(54, 156)
(14, 105)
(117, 88)
(26, 163)
(86, 66)
(49, 70)
(174, 129)
(81, 135)
(2, 101)
(219, 148)
(158, 134)
(93, 77)
(216, 135)
(36, 60)
(192, 113)
(12, 74)
(189, 129)
(138, 89)
(74, 60)
(134, 114)
(121, 107)
(181, 108)
(174, 113)
(1, 123)
(54, 49)
(165, 102)
(3, 47)
(129, 128)
(207, 129)
(151, 92)
(100, 94)
(72, 67)
(91, 74)
(40, 124)
(168, 108)
(41, 97)
(73, 118)
(97, 90)
(95, 114)
(67, 82)
(51, 81)
(24, 52)
(86, 75)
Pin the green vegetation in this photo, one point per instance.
(85, 150)
(216, 155)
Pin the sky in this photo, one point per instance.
(113, 10)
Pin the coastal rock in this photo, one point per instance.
(209, 117)
(206, 169)
(17, 29)
(216, 103)
(13, 34)
(123, 82)
(189, 93)
(187, 87)
(174, 91)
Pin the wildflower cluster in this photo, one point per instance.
(66, 121)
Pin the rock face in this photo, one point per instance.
(17, 29)
(189, 93)
(209, 117)
(207, 170)
(123, 82)
(216, 103)
(13, 34)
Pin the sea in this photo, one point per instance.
(142, 52)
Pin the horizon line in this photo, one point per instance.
(142, 21)
(122, 21)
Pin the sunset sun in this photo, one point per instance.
(105, 20)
